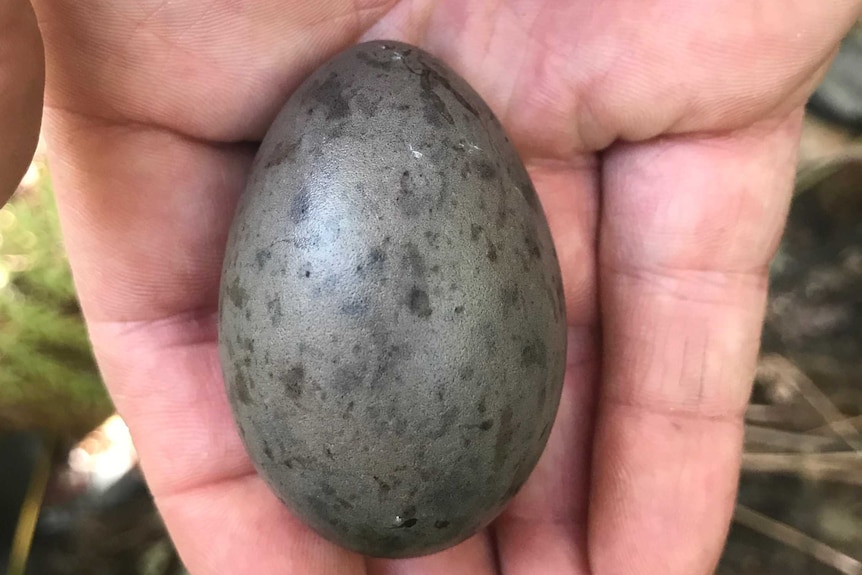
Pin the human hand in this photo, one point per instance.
(22, 81)
(661, 138)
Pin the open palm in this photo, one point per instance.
(661, 137)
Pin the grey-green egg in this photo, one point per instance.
(392, 323)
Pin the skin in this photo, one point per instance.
(22, 83)
(661, 137)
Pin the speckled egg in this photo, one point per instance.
(392, 322)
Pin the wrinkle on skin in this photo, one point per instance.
(153, 62)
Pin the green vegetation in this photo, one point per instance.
(48, 376)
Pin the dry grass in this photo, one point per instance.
(802, 466)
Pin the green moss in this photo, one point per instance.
(48, 376)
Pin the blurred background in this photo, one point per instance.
(73, 502)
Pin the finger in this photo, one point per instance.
(543, 530)
(475, 556)
(688, 228)
(22, 81)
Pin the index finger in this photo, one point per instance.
(689, 225)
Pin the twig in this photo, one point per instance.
(767, 414)
(796, 539)
(30, 510)
(843, 467)
(818, 400)
(821, 169)
(854, 422)
(759, 436)
(836, 420)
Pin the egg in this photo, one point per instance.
(392, 326)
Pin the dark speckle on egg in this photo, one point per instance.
(475, 232)
(300, 205)
(282, 152)
(330, 95)
(240, 385)
(293, 381)
(485, 169)
(391, 318)
(419, 303)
